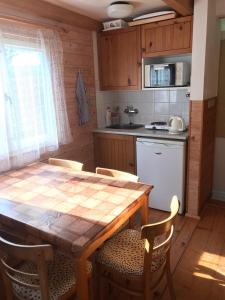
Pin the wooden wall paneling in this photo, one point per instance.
(194, 157)
(76, 59)
(208, 143)
(44, 10)
(78, 55)
(200, 154)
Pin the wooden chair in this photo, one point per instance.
(122, 176)
(134, 262)
(41, 274)
(117, 174)
(74, 165)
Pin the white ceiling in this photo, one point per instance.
(96, 9)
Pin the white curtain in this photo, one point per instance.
(33, 116)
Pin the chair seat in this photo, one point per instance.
(60, 275)
(124, 253)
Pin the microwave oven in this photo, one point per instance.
(166, 75)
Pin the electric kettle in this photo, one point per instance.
(176, 125)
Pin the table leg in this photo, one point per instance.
(144, 211)
(82, 280)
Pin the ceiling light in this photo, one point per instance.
(119, 9)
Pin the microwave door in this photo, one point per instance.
(157, 75)
(163, 75)
(153, 76)
(160, 77)
(166, 79)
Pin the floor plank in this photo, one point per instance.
(200, 273)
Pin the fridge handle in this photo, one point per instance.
(151, 143)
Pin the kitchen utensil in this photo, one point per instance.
(176, 125)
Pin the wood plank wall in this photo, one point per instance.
(78, 55)
(200, 154)
(46, 13)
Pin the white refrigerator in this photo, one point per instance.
(161, 163)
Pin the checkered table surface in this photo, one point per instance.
(63, 207)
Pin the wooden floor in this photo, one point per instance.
(199, 273)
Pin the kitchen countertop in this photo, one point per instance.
(142, 132)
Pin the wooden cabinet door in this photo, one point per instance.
(182, 33)
(120, 59)
(156, 40)
(167, 37)
(106, 57)
(115, 151)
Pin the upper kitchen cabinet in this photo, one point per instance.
(120, 59)
(167, 37)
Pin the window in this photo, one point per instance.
(33, 118)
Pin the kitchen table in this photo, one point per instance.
(73, 211)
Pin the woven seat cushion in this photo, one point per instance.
(124, 253)
(60, 275)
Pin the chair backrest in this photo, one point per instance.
(160, 232)
(37, 255)
(117, 174)
(73, 165)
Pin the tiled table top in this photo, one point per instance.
(64, 207)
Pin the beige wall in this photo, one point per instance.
(220, 7)
(219, 164)
(205, 53)
(220, 123)
(204, 82)
(198, 49)
(212, 53)
(78, 55)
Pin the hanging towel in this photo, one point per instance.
(82, 100)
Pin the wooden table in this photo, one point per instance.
(74, 211)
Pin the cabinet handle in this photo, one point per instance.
(129, 81)
(181, 27)
(150, 45)
(143, 49)
(131, 164)
(139, 63)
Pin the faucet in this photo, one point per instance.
(130, 110)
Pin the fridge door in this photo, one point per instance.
(162, 164)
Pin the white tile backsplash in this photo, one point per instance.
(176, 108)
(162, 108)
(161, 96)
(153, 105)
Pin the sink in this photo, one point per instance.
(126, 126)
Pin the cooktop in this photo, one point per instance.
(157, 126)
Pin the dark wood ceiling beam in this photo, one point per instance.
(182, 7)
